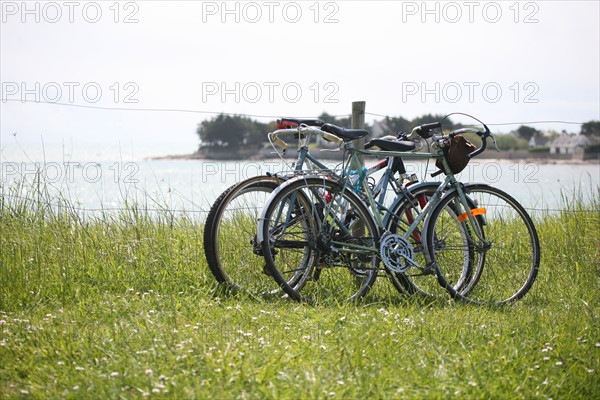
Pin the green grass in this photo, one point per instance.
(123, 305)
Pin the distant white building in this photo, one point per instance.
(538, 141)
(380, 128)
(569, 143)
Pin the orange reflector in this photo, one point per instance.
(474, 212)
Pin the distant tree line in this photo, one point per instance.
(519, 138)
(590, 128)
(233, 133)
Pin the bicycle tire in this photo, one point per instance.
(299, 229)
(229, 237)
(509, 249)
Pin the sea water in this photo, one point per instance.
(93, 178)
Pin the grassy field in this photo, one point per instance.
(122, 305)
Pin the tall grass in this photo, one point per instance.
(122, 304)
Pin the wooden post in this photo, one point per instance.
(358, 122)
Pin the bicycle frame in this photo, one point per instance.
(377, 206)
(382, 184)
(304, 155)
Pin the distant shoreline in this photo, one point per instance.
(576, 159)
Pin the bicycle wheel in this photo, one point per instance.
(507, 248)
(417, 282)
(230, 247)
(319, 241)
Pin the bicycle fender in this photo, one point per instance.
(261, 220)
(450, 192)
(401, 198)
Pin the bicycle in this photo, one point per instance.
(308, 226)
(233, 256)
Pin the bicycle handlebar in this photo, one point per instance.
(431, 126)
(274, 136)
(483, 135)
(425, 130)
(481, 148)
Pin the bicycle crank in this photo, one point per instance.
(396, 253)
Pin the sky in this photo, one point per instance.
(148, 72)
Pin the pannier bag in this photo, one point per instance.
(457, 154)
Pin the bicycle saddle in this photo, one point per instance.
(343, 133)
(391, 145)
(285, 123)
